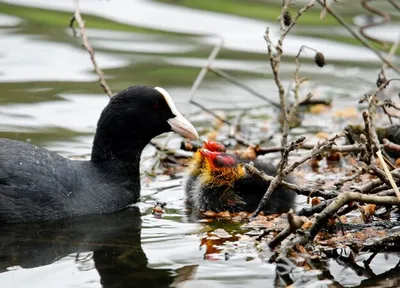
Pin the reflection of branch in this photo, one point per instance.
(355, 35)
(384, 15)
(81, 23)
(200, 78)
(231, 79)
(395, 4)
(295, 222)
(339, 183)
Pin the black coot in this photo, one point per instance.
(36, 184)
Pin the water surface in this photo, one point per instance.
(49, 97)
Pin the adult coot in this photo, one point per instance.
(36, 184)
(223, 185)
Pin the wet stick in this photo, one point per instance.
(387, 172)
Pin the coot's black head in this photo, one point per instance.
(132, 118)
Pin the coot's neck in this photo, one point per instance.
(118, 156)
(125, 149)
(120, 170)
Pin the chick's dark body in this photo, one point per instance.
(249, 189)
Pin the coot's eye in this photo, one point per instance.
(156, 106)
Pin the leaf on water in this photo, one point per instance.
(321, 135)
(333, 156)
(319, 108)
(224, 214)
(315, 201)
(210, 213)
(349, 112)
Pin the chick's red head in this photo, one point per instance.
(220, 168)
(213, 146)
(198, 158)
(218, 159)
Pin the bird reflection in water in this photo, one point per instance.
(111, 242)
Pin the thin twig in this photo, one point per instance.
(282, 171)
(305, 236)
(81, 23)
(295, 222)
(233, 80)
(275, 61)
(388, 175)
(385, 19)
(200, 77)
(299, 190)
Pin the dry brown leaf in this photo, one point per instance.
(360, 235)
(210, 213)
(307, 225)
(334, 156)
(331, 222)
(319, 108)
(315, 201)
(370, 209)
(397, 162)
(343, 219)
(349, 112)
(322, 135)
(224, 214)
(301, 249)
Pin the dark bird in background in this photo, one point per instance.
(391, 133)
(36, 184)
(223, 185)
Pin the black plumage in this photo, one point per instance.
(36, 184)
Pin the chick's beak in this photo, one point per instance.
(183, 127)
(204, 152)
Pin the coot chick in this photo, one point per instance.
(225, 186)
(196, 165)
(392, 133)
(36, 184)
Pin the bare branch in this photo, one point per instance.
(78, 18)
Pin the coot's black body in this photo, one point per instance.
(36, 184)
(243, 193)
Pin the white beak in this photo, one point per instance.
(182, 126)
